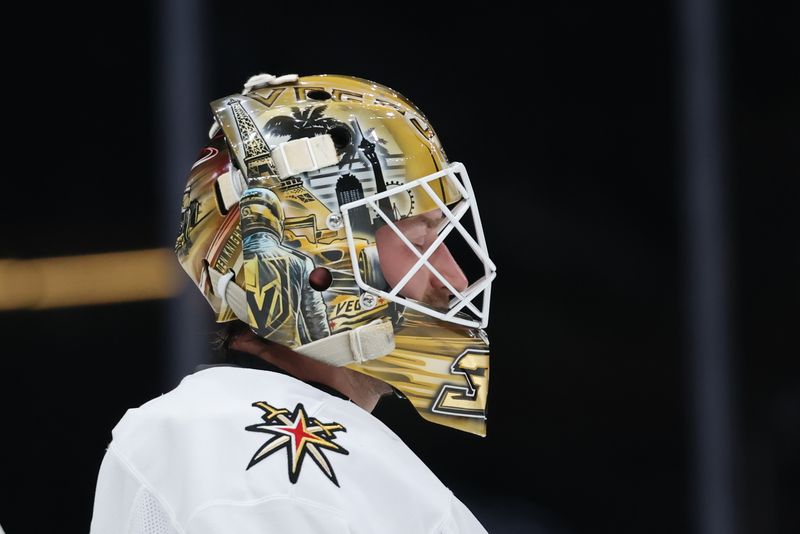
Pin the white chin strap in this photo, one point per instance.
(359, 345)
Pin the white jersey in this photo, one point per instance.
(246, 451)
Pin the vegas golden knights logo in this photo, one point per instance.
(469, 401)
(267, 299)
(300, 435)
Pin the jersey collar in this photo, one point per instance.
(236, 358)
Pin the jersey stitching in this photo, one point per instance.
(263, 500)
(149, 487)
(438, 529)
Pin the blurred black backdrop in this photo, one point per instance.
(569, 118)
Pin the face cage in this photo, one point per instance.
(458, 177)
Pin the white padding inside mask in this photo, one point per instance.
(303, 155)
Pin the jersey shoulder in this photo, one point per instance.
(248, 436)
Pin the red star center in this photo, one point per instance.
(298, 431)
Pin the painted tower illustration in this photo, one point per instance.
(256, 152)
(368, 148)
(348, 189)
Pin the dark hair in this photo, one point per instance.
(223, 337)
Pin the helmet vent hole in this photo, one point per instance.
(341, 136)
(320, 279)
(318, 94)
(219, 198)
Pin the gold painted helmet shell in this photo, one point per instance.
(382, 141)
(253, 124)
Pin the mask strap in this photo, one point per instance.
(359, 345)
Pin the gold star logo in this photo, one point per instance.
(300, 436)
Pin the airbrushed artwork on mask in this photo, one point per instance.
(234, 232)
(312, 122)
(441, 370)
(190, 209)
(402, 204)
(280, 301)
(370, 162)
(306, 201)
(200, 216)
(360, 171)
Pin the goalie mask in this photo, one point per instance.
(305, 186)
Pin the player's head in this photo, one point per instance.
(353, 182)
(396, 259)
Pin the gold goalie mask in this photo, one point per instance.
(282, 224)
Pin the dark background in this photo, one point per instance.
(571, 122)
